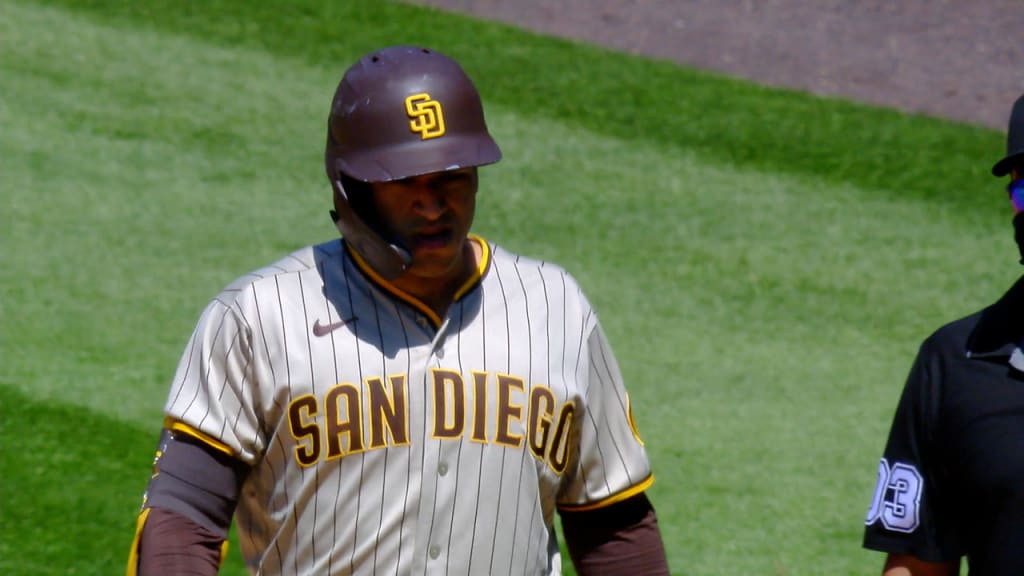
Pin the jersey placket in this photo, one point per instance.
(434, 517)
(446, 475)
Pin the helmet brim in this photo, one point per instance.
(417, 158)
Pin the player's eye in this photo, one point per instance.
(455, 179)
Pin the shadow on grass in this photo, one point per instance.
(72, 483)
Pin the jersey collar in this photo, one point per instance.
(470, 283)
(1000, 330)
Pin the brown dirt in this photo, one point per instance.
(958, 59)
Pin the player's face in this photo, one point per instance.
(431, 216)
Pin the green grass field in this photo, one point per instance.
(765, 262)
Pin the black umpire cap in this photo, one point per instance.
(1014, 140)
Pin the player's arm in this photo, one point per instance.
(904, 565)
(187, 512)
(173, 544)
(621, 539)
(609, 524)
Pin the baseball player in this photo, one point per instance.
(951, 481)
(410, 398)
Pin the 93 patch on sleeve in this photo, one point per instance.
(897, 498)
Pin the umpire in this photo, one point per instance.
(951, 482)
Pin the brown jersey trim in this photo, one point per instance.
(614, 498)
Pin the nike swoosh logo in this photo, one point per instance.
(325, 329)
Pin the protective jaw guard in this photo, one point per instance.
(386, 259)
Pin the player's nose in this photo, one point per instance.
(429, 202)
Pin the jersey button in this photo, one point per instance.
(435, 551)
(442, 469)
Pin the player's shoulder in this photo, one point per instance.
(304, 260)
(507, 261)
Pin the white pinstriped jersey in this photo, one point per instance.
(386, 440)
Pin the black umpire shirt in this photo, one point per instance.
(951, 482)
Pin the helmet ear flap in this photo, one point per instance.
(360, 197)
(387, 259)
(352, 200)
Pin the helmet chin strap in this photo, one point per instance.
(387, 259)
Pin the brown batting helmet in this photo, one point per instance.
(405, 111)
(399, 112)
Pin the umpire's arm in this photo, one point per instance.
(904, 565)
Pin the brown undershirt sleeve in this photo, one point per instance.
(173, 545)
(620, 540)
(190, 500)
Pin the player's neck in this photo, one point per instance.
(438, 293)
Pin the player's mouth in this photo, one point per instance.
(433, 239)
